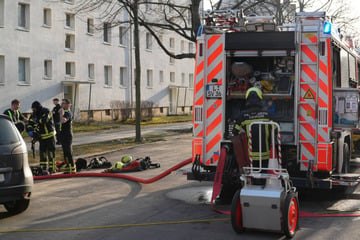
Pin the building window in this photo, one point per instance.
(2, 9)
(123, 76)
(70, 20)
(183, 79)
(172, 43)
(24, 70)
(91, 71)
(189, 17)
(172, 60)
(191, 80)
(149, 78)
(191, 47)
(182, 46)
(147, 5)
(148, 41)
(107, 32)
(90, 26)
(160, 5)
(161, 76)
(172, 76)
(70, 42)
(47, 17)
(24, 16)
(70, 69)
(47, 69)
(2, 69)
(107, 76)
(122, 35)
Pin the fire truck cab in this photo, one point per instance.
(309, 75)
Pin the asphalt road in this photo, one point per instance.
(172, 208)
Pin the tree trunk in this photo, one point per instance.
(137, 74)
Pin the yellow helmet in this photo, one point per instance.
(126, 159)
(118, 165)
(254, 89)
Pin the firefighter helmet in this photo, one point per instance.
(126, 159)
(254, 91)
(118, 165)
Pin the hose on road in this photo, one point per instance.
(116, 175)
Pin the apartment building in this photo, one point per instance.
(47, 51)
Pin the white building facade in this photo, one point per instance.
(47, 51)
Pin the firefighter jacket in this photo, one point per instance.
(256, 114)
(41, 124)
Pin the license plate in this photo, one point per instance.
(213, 91)
(2, 178)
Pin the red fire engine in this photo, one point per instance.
(309, 75)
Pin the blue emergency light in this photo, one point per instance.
(327, 28)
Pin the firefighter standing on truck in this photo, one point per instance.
(66, 134)
(255, 111)
(41, 127)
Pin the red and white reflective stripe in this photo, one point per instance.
(310, 120)
(213, 107)
(198, 94)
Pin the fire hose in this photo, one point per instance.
(216, 187)
(116, 175)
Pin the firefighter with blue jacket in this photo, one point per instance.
(255, 112)
(41, 127)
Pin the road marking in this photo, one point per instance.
(115, 226)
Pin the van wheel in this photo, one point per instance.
(17, 206)
(346, 159)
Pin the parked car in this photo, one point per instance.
(16, 179)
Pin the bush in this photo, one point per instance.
(121, 108)
(147, 110)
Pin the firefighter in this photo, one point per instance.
(56, 118)
(15, 115)
(66, 134)
(255, 111)
(41, 126)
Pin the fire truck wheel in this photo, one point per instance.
(290, 214)
(236, 213)
(346, 159)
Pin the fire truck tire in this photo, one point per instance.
(236, 213)
(346, 159)
(290, 214)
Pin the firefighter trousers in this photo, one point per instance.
(47, 154)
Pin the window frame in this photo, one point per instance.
(91, 71)
(107, 75)
(90, 26)
(48, 69)
(107, 33)
(23, 16)
(122, 76)
(26, 69)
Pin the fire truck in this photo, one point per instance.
(309, 75)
